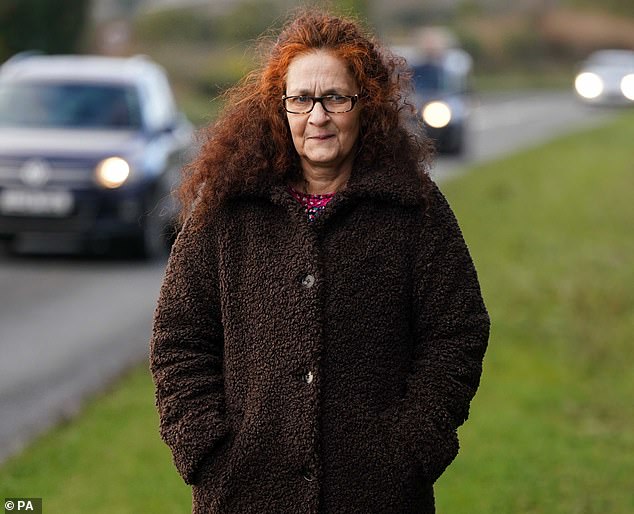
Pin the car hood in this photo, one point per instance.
(457, 103)
(610, 73)
(69, 143)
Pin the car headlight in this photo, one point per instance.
(112, 172)
(589, 85)
(627, 86)
(437, 114)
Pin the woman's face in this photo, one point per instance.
(323, 140)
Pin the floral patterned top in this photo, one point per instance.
(313, 204)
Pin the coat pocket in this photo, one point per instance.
(440, 451)
(211, 463)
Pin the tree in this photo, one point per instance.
(52, 26)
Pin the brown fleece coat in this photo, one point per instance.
(324, 367)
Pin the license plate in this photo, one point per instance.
(23, 202)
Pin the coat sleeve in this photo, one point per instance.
(186, 352)
(451, 328)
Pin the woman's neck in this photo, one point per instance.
(319, 182)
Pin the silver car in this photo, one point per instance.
(90, 149)
(607, 78)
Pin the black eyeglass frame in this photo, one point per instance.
(320, 99)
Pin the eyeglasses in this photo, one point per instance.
(303, 104)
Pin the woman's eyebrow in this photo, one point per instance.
(308, 92)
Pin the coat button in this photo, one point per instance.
(308, 474)
(308, 377)
(308, 281)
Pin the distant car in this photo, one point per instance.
(441, 88)
(607, 78)
(90, 149)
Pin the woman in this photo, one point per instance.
(320, 330)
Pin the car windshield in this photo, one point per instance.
(620, 58)
(428, 77)
(69, 105)
(434, 78)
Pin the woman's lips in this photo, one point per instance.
(322, 137)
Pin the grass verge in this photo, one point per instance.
(514, 80)
(550, 431)
(550, 230)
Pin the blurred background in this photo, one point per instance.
(204, 44)
(534, 130)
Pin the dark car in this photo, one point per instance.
(441, 88)
(90, 149)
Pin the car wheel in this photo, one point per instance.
(157, 233)
(153, 240)
(457, 143)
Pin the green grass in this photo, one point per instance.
(520, 80)
(550, 230)
(109, 460)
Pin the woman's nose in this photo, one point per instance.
(318, 115)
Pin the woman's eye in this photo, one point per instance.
(337, 98)
(302, 99)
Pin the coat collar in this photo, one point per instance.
(387, 184)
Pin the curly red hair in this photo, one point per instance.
(251, 141)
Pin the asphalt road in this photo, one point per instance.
(69, 325)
